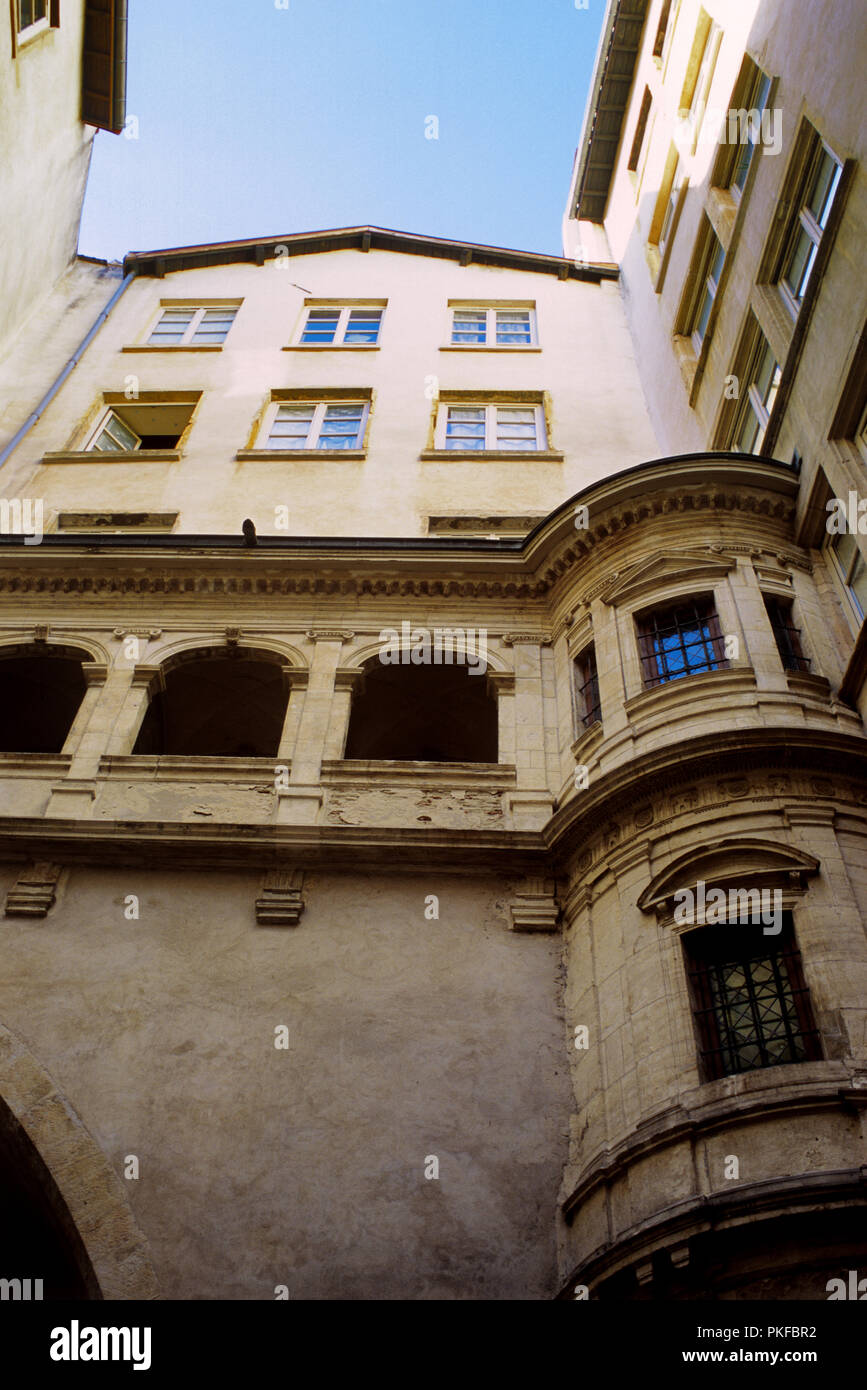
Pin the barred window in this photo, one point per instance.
(588, 709)
(788, 637)
(683, 640)
(750, 1001)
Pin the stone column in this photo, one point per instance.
(133, 707)
(300, 800)
(533, 802)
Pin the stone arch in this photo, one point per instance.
(83, 1192)
(42, 685)
(216, 700)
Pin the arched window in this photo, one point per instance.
(425, 713)
(41, 688)
(225, 703)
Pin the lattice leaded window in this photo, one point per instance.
(683, 640)
(751, 1004)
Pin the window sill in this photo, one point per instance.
(28, 36)
(774, 318)
(483, 347)
(173, 347)
(281, 455)
(175, 767)
(722, 211)
(331, 347)
(338, 771)
(587, 741)
(113, 456)
(685, 687)
(490, 455)
(687, 360)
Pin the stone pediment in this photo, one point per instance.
(666, 566)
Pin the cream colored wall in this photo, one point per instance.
(816, 51)
(586, 365)
(42, 186)
(52, 334)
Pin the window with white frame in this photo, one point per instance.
(758, 394)
(192, 326)
(317, 425)
(150, 421)
(479, 426)
(815, 199)
(341, 326)
(492, 327)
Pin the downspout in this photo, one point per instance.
(52, 391)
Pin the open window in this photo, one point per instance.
(150, 422)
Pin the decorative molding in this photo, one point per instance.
(40, 632)
(651, 575)
(514, 639)
(34, 892)
(535, 907)
(151, 633)
(281, 903)
(329, 635)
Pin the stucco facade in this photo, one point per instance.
(334, 970)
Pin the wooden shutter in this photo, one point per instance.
(103, 65)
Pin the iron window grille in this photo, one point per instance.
(750, 1001)
(788, 637)
(684, 640)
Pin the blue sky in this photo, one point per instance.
(255, 120)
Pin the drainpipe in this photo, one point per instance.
(25, 429)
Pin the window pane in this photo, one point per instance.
(115, 436)
(704, 309)
(465, 427)
(291, 427)
(513, 326)
(858, 584)
(214, 325)
(321, 326)
(468, 326)
(516, 428)
(172, 326)
(341, 427)
(800, 263)
(363, 326)
(823, 189)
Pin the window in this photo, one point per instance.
(710, 259)
(31, 12)
(683, 640)
(588, 709)
(318, 425)
(476, 427)
(750, 1002)
(192, 327)
(149, 422)
(788, 637)
(758, 396)
(696, 90)
(640, 130)
(851, 569)
(511, 327)
(815, 198)
(659, 41)
(440, 712)
(337, 326)
(749, 111)
(668, 216)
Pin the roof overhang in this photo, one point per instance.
(260, 249)
(619, 43)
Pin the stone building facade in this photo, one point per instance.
(381, 685)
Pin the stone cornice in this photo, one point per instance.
(711, 485)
